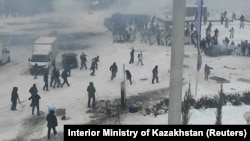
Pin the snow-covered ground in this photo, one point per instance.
(22, 125)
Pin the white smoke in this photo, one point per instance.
(66, 6)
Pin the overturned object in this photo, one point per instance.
(60, 112)
(219, 79)
(217, 50)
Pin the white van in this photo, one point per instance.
(45, 50)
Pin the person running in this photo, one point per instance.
(113, 69)
(65, 75)
(207, 71)
(83, 59)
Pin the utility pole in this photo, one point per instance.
(176, 70)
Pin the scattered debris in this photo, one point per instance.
(244, 80)
(65, 118)
(60, 112)
(219, 79)
(229, 67)
(143, 79)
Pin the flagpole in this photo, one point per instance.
(196, 85)
(198, 20)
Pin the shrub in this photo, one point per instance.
(186, 106)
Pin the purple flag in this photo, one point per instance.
(198, 18)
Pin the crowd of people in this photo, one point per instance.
(146, 34)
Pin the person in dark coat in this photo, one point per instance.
(91, 94)
(52, 78)
(226, 22)
(231, 32)
(207, 71)
(51, 122)
(192, 27)
(96, 60)
(93, 67)
(233, 16)
(113, 69)
(35, 71)
(14, 98)
(57, 79)
(216, 33)
(221, 19)
(65, 75)
(35, 103)
(155, 74)
(129, 76)
(83, 61)
(132, 53)
(46, 81)
(242, 19)
(210, 25)
(68, 69)
(33, 90)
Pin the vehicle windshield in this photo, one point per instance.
(39, 58)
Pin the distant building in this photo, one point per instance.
(191, 11)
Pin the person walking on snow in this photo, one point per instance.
(231, 33)
(65, 75)
(36, 71)
(91, 94)
(35, 103)
(155, 74)
(242, 19)
(140, 58)
(129, 76)
(52, 78)
(57, 79)
(83, 61)
(131, 61)
(51, 122)
(96, 60)
(93, 67)
(14, 98)
(113, 69)
(207, 71)
(33, 90)
(46, 80)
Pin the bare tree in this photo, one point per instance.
(219, 107)
(186, 106)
